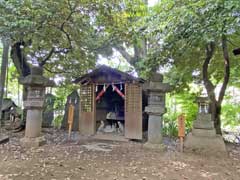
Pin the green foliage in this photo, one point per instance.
(230, 114)
(68, 35)
(181, 102)
(61, 94)
(77, 32)
(230, 110)
(178, 32)
(57, 121)
(13, 89)
(72, 33)
(170, 124)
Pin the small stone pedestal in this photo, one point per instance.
(203, 138)
(36, 84)
(156, 109)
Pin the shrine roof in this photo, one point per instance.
(7, 104)
(105, 74)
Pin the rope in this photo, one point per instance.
(115, 83)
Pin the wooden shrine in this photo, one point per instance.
(110, 101)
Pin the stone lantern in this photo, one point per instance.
(36, 84)
(203, 137)
(203, 104)
(156, 108)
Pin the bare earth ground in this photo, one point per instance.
(83, 158)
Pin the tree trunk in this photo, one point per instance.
(215, 116)
(139, 50)
(22, 67)
(6, 44)
(216, 104)
(217, 122)
(210, 48)
(19, 59)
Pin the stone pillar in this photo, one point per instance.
(36, 84)
(203, 138)
(155, 109)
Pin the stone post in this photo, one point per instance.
(36, 84)
(155, 109)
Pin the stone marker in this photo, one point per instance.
(203, 138)
(48, 110)
(73, 99)
(155, 109)
(36, 84)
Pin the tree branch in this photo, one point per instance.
(208, 84)
(228, 40)
(61, 28)
(47, 58)
(56, 72)
(19, 59)
(124, 53)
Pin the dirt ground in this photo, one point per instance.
(84, 158)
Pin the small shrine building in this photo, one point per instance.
(110, 102)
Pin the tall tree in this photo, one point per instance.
(65, 37)
(67, 34)
(195, 38)
(118, 24)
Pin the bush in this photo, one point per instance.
(177, 104)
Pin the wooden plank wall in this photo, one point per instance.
(133, 111)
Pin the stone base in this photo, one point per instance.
(32, 142)
(204, 132)
(203, 122)
(159, 147)
(212, 145)
(154, 129)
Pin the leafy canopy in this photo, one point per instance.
(180, 30)
(66, 36)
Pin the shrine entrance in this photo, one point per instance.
(110, 117)
(110, 103)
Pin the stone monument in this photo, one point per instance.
(73, 99)
(48, 110)
(203, 138)
(35, 83)
(155, 110)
